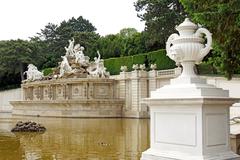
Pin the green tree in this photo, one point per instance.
(110, 46)
(89, 41)
(49, 32)
(15, 55)
(134, 44)
(54, 38)
(127, 32)
(132, 41)
(222, 18)
(161, 17)
(127, 42)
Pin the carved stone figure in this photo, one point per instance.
(74, 64)
(97, 68)
(70, 49)
(64, 66)
(33, 73)
(79, 56)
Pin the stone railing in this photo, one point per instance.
(169, 72)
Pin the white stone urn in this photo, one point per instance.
(189, 118)
(153, 66)
(142, 67)
(188, 47)
(124, 68)
(135, 67)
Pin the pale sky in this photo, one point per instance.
(24, 18)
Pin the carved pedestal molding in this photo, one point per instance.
(189, 118)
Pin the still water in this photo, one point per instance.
(75, 139)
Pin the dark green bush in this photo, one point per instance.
(159, 57)
(47, 71)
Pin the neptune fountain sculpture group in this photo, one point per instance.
(78, 87)
(74, 64)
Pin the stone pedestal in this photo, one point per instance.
(189, 118)
(189, 121)
(235, 143)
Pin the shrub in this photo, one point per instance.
(159, 57)
(47, 71)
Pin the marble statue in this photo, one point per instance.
(70, 49)
(33, 73)
(97, 69)
(97, 59)
(79, 56)
(64, 66)
(75, 64)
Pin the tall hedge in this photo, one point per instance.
(159, 57)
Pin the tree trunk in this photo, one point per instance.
(21, 70)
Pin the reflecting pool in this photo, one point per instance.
(75, 139)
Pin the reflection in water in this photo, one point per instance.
(9, 146)
(78, 139)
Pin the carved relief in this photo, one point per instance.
(78, 91)
(88, 90)
(102, 91)
(59, 92)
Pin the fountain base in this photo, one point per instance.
(70, 108)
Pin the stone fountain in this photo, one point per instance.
(77, 88)
(189, 118)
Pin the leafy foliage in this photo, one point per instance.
(15, 55)
(54, 38)
(127, 42)
(222, 18)
(47, 71)
(161, 17)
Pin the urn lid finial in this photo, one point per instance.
(187, 27)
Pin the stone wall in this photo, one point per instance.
(69, 89)
(233, 86)
(136, 85)
(132, 87)
(71, 97)
(9, 95)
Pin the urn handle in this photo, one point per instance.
(169, 43)
(207, 48)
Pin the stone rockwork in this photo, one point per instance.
(28, 126)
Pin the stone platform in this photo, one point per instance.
(70, 108)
